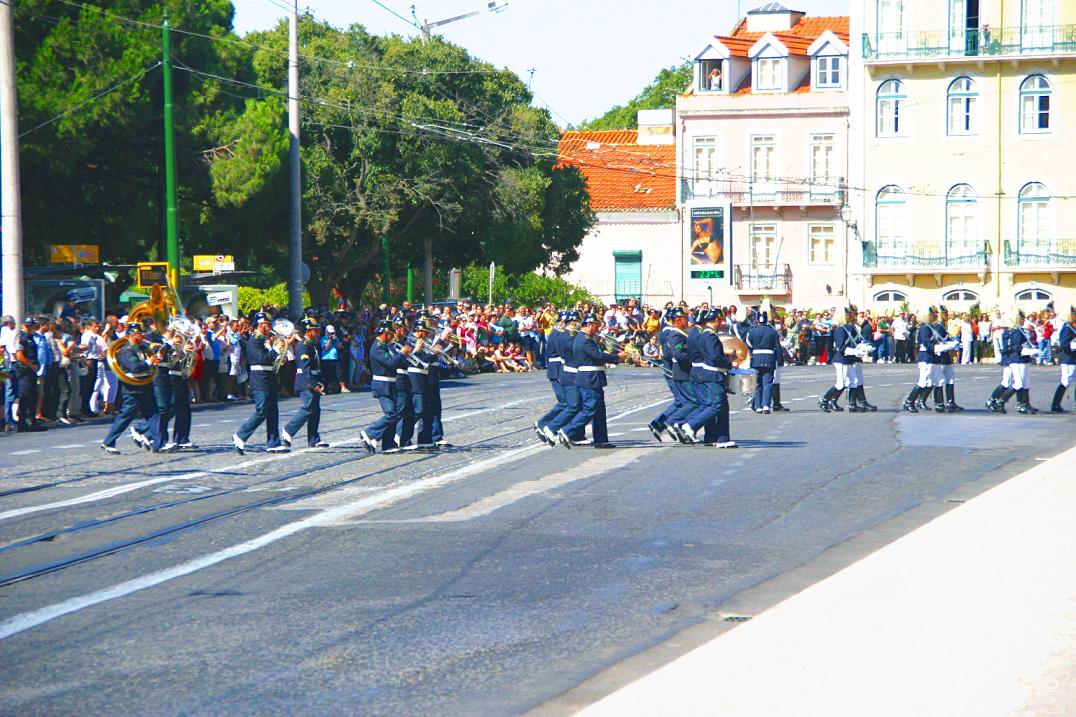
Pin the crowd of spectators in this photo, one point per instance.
(75, 382)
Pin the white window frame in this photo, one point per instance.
(961, 203)
(822, 72)
(1035, 96)
(893, 295)
(818, 231)
(705, 67)
(1029, 295)
(893, 243)
(1044, 226)
(765, 185)
(779, 65)
(962, 104)
(758, 231)
(705, 183)
(890, 109)
(822, 186)
(960, 295)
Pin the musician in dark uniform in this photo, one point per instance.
(1019, 347)
(26, 368)
(1067, 360)
(440, 346)
(590, 380)
(929, 370)
(553, 365)
(136, 362)
(709, 364)
(261, 357)
(765, 345)
(421, 393)
(181, 395)
(162, 396)
(385, 361)
(404, 404)
(1004, 391)
(308, 387)
(568, 371)
(945, 361)
(678, 367)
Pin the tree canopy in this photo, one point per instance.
(659, 94)
(401, 138)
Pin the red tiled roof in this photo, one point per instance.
(621, 174)
(797, 39)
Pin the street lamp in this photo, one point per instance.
(846, 217)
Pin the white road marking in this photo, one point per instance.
(228, 420)
(72, 445)
(26, 452)
(391, 495)
(524, 489)
(202, 425)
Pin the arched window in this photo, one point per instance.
(1035, 105)
(883, 297)
(960, 295)
(961, 230)
(890, 224)
(890, 109)
(1033, 295)
(963, 107)
(1034, 212)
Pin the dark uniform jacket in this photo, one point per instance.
(28, 347)
(424, 379)
(554, 361)
(134, 360)
(946, 358)
(925, 339)
(260, 363)
(1012, 343)
(570, 369)
(1067, 345)
(590, 360)
(675, 353)
(307, 365)
(708, 359)
(765, 345)
(386, 362)
(845, 337)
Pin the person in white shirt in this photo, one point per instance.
(985, 328)
(11, 386)
(900, 337)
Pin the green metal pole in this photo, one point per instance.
(386, 270)
(171, 217)
(410, 284)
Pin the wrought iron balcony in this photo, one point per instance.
(1061, 252)
(776, 280)
(981, 42)
(922, 255)
(777, 192)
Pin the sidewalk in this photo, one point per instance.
(972, 614)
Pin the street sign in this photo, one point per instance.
(151, 273)
(218, 298)
(74, 254)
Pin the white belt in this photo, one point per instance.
(762, 351)
(556, 359)
(571, 369)
(175, 373)
(412, 369)
(261, 368)
(313, 372)
(385, 378)
(592, 368)
(706, 366)
(401, 372)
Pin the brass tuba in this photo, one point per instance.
(162, 303)
(282, 331)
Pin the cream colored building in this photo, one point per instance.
(962, 183)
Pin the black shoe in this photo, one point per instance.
(1059, 396)
(603, 445)
(656, 431)
(834, 406)
(823, 403)
(1023, 408)
(855, 408)
(909, 406)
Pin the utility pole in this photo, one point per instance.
(14, 292)
(171, 218)
(427, 270)
(386, 269)
(295, 235)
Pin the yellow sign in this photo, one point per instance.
(151, 273)
(74, 254)
(210, 262)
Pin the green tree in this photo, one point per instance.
(659, 94)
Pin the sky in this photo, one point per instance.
(587, 55)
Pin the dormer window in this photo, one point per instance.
(769, 73)
(828, 71)
(711, 76)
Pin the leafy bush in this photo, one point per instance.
(251, 299)
(529, 289)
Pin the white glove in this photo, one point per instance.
(851, 351)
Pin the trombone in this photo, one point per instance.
(411, 358)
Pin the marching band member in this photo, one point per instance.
(945, 362)
(569, 370)
(162, 396)
(1067, 360)
(1020, 349)
(553, 365)
(708, 364)
(765, 345)
(857, 397)
(783, 355)
(591, 381)
(1004, 391)
(929, 371)
(385, 361)
(181, 395)
(440, 347)
(843, 359)
(678, 362)
(404, 404)
(137, 362)
(308, 387)
(423, 395)
(261, 357)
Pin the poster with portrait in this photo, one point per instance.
(708, 242)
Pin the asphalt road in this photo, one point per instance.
(499, 577)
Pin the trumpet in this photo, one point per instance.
(282, 331)
(666, 371)
(433, 348)
(184, 358)
(411, 358)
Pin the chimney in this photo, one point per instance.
(772, 17)
(656, 127)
